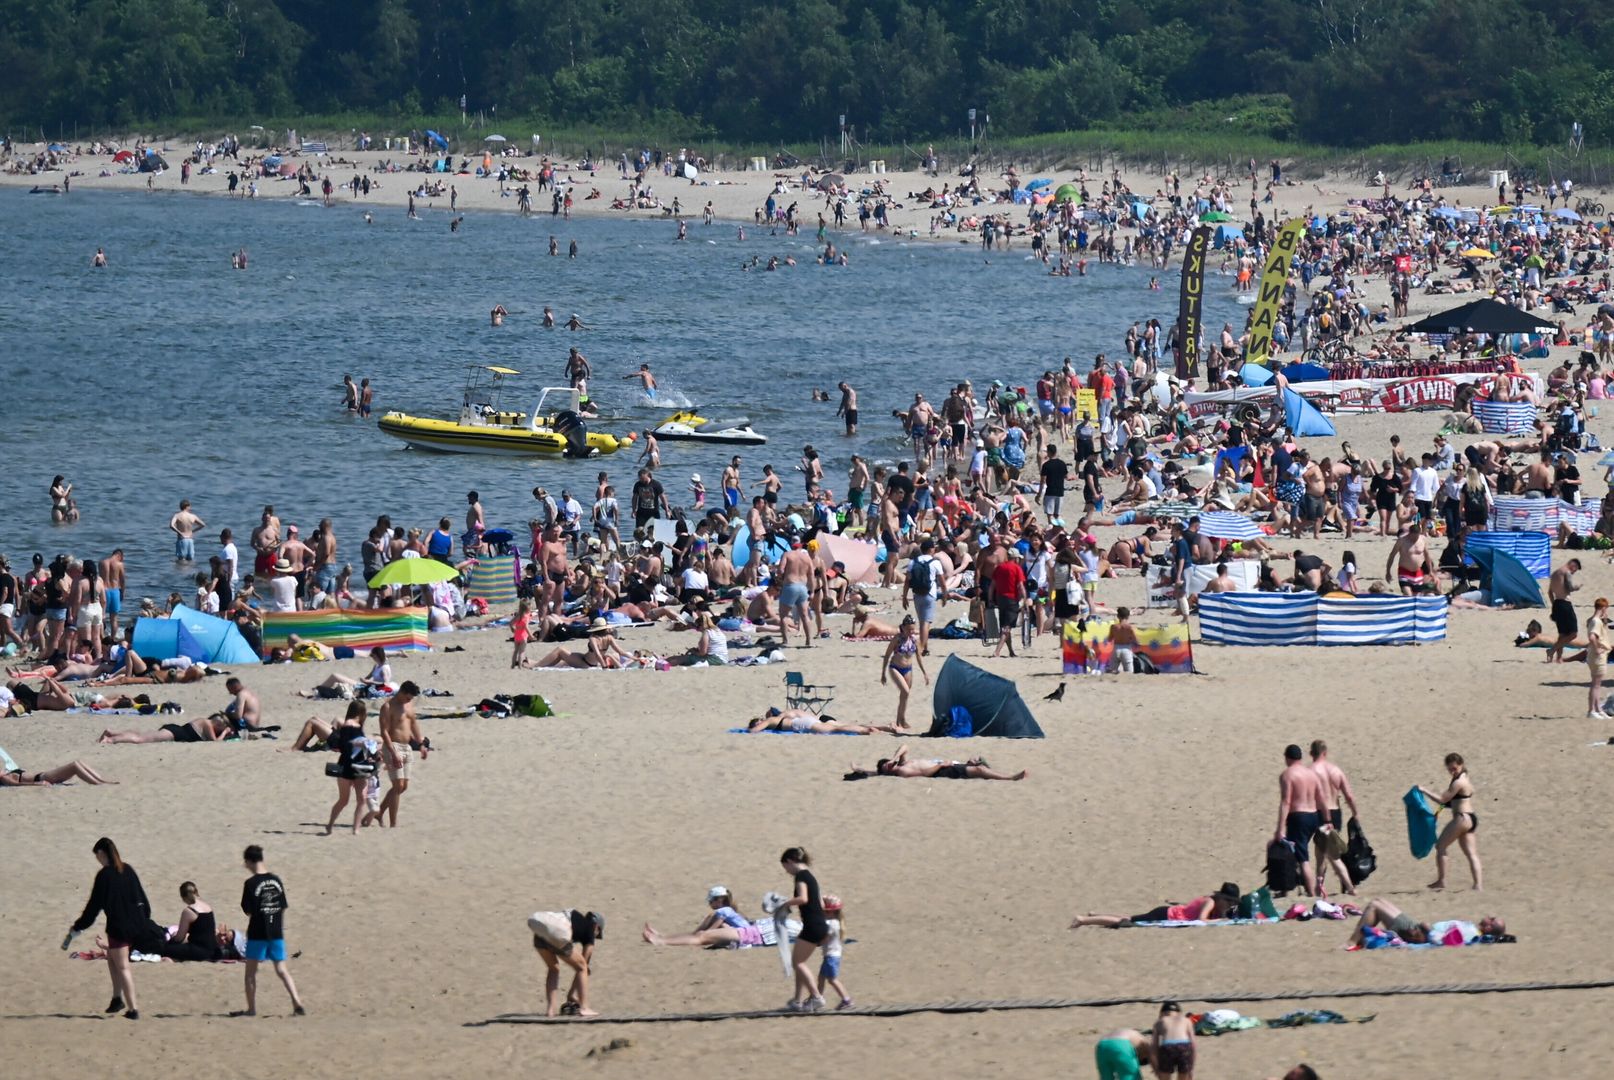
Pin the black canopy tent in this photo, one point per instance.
(1483, 316)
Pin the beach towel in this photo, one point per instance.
(360, 629)
(1086, 647)
(1421, 830)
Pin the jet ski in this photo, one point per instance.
(688, 427)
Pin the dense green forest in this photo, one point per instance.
(1329, 72)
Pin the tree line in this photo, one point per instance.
(1330, 72)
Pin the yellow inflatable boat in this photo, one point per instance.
(556, 426)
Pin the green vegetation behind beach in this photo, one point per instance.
(1241, 78)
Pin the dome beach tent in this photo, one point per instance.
(205, 638)
(968, 702)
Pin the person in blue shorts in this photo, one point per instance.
(263, 901)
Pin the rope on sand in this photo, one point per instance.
(1028, 1004)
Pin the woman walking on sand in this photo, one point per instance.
(118, 893)
(1459, 799)
(898, 663)
(814, 929)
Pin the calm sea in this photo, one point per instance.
(169, 375)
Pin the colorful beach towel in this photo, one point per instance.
(1087, 649)
(360, 629)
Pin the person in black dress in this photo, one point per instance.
(814, 929)
(118, 892)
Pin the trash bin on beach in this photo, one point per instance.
(1499, 178)
(759, 164)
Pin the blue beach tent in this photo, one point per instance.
(1505, 577)
(206, 638)
(1302, 417)
(969, 702)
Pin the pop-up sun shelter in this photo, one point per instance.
(1505, 577)
(969, 701)
(206, 638)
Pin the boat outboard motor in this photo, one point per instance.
(569, 426)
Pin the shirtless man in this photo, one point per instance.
(757, 524)
(243, 710)
(577, 367)
(184, 525)
(763, 610)
(1538, 477)
(731, 485)
(1223, 581)
(475, 524)
(795, 576)
(1300, 807)
(647, 381)
(1407, 559)
(890, 528)
(112, 578)
(857, 490)
(265, 540)
(1559, 586)
(299, 556)
(918, 426)
(400, 735)
(325, 556)
(848, 407)
(552, 557)
(1335, 787)
(1121, 1054)
(1314, 504)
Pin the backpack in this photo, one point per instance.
(1359, 857)
(1283, 868)
(919, 575)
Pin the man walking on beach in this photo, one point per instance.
(1559, 586)
(1407, 559)
(400, 734)
(1300, 804)
(795, 574)
(263, 901)
(1335, 786)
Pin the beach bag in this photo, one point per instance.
(533, 705)
(553, 928)
(961, 725)
(1282, 869)
(1359, 857)
(1257, 905)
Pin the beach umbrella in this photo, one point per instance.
(273, 160)
(56, 148)
(436, 138)
(1215, 217)
(1484, 316)
(829, 180)
(1228, 525)
(1478, 253)
(1563, 213)
(1038, 184)
(123, 155)
(690, 172)
(413, 572)
(495, 138)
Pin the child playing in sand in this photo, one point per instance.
(829, 972)
(521, 631)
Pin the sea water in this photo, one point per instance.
(170, 375)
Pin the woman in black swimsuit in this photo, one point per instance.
(1459, 799)
(814, 929)
(196, 939)
(357, 760)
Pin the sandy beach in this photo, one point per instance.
(637, 798)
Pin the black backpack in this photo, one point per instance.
(1283, 868)
(1359, 857)
(919, 575)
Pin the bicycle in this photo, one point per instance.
(1588, 207)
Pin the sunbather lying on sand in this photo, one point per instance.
(1215, 906)
(802, 722)
(932, 768)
